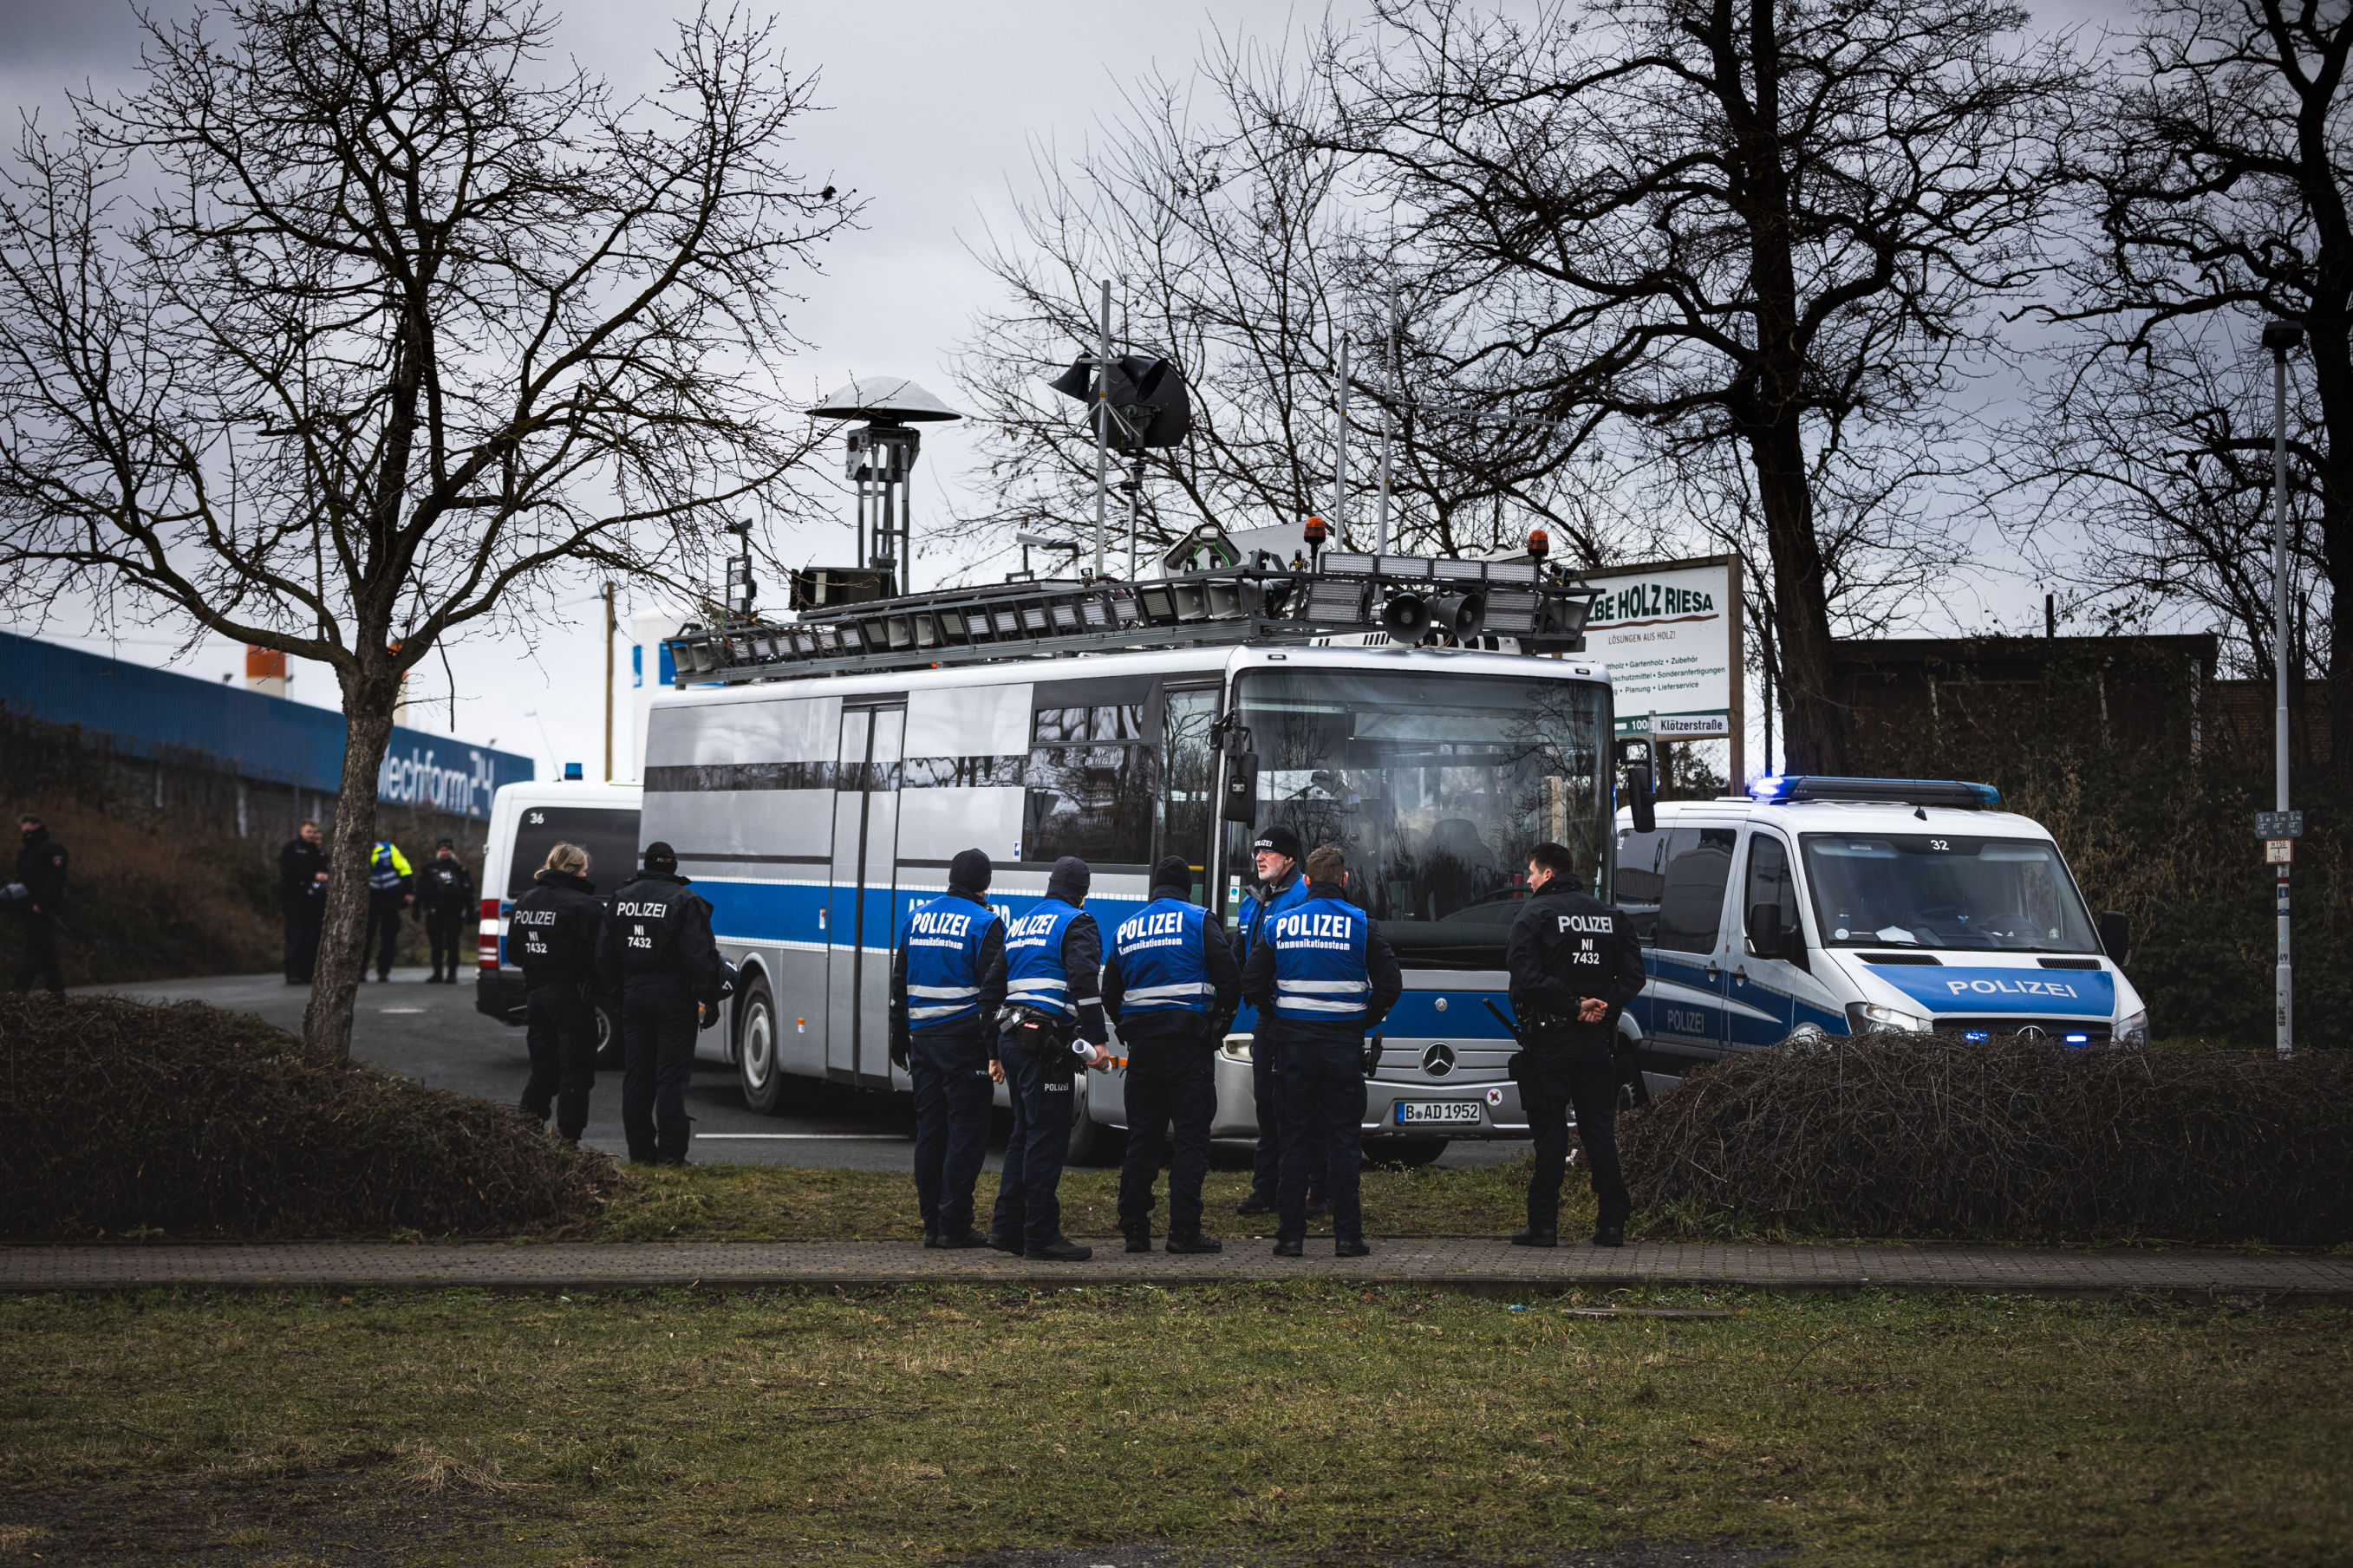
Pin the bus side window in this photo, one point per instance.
(1691, 894)
(1641, 873)
(1188, 782)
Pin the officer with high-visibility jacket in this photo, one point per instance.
(1170, 987)
(390, 888)
(1052, 1026)
(947, 981)
(665, 965)
(1275, 856)
(1329, 979)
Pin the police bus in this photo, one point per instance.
(817, 776)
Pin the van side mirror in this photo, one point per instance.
(1767, 938)
(1242, 790)
(2115, 935)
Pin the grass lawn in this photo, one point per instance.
(782, 1202)
(1282, 1424)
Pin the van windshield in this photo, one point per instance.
(1923, 890)
(1436, 786)
(610, 834)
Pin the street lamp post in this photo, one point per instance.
(2280, 337)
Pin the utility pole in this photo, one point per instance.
(2280, 337)
(609, 625)
(1103, 432)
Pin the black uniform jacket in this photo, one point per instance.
(1566, 946)
(991, 982)
(298, 865)
(41, 867)
(558, 929)
(662, 928)
(1380, 967)
(444, 884)
(1164, 1031)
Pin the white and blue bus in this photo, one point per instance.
(814, 804)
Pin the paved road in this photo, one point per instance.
(1427, 1261)
(432, 1034)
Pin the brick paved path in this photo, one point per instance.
(1454, 1262)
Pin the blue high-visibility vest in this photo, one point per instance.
(1252, 912)
(1034, 974)
(1160, 958)
(943, 942)
(387, 867)
(1319, 961)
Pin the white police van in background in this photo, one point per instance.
(527, 820)
(1844, 905)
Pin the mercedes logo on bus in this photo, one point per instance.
(1438, 1060)
(2030, 1032)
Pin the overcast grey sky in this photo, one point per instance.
(934, 108)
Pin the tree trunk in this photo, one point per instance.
(368, 713)
(1814, 737)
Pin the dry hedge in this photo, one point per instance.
(118, 1117)
(1931, 1135)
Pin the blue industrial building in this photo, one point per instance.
(247, 736)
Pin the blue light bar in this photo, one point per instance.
(1780, 788)
(1976, 1036)
(2079, 1040)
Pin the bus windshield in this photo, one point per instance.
(1436, 786)
(1918, 890)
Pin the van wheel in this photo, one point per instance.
(1402, 1154)
(608, 1038)
(1093, 1142)
(757, 1065)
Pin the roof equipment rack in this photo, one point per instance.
(1544, 609)
(1783, 789)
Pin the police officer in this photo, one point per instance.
(445, 895)
(1171, 986)
(668, 969)
(560, 933)
(1575, 962)
(41, 872)
(390, 888)
(1275, 856)
(1329, 979)
(947, 981)
(303, 899)
(1052, 1026)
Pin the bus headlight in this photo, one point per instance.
(2133, 1029)
(1237, 1047)
(1863, 1018)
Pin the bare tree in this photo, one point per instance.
(2222, 174)
(1239, 254)
(355, 322)
(1767, 225)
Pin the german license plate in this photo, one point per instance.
(1437, 1112)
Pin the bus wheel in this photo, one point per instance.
(1401, 1153)
(1093, 1142)
(608, 1038)
(756, 1063)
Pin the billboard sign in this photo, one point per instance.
(1671, 636)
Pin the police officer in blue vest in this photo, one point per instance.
(1275, 858)
(1329, 979)
(1170, 986)
(947, 981)
(1052, 1027)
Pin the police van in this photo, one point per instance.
(817, 776)
(527, 820)
(1839, 906)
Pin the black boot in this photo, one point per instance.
(1536, 1236)
(1291, 1250)
(1255, 1205)
(1139, 1241)
(1185, 1244)
(1000, 1241)
(958, 1241)
(1061, 1250)
(1609, 1236)
(1357, 1249)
